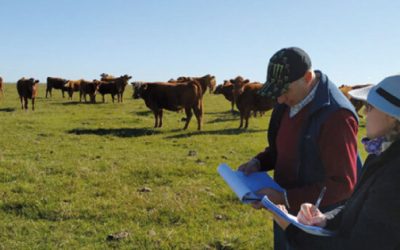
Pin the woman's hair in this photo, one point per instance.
(394, 134)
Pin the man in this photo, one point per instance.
(312, 137)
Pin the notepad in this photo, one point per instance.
(293, 219)
(246, 186)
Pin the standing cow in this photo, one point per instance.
(172, 96)
(226, 89)
(56, 83)
(88, 88)
(249, 100)
(73, 86)
(114, 86)
(27, 89)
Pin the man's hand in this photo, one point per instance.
(250, 167)
(273, 195)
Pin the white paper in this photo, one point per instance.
(293, 219)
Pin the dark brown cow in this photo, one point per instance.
(114, 87)
(27, 89)
(171, 96)
(207, 81)
(1, 86)
(356, 103)
(249, 100)
(56, 83)
(226, 89)
(88, 88)
(73, 86)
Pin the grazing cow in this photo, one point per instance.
(56, 83)
(114, 87)
(226, 89)
(356, 103)
(205, 81)
(172, 96)
(27, 89)
(249, 100)
(73, 86)
(88, 88)
(1, 86)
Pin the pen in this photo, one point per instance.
(321, 195)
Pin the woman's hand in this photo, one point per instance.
(310, 215)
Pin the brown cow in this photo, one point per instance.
(226, 89)
(106, 77)
(356, 103)
(73, 86)
(249, 100)
(88, 88)
(27, 89)
(238, 84)
(1, 86)
(114, 87)
(205, 81)
(171, 96)
(56, 83)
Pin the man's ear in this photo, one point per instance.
(308, 76)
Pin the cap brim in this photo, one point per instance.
(265, 89)
(361, 94)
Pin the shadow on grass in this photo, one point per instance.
(70, 103)
(224, 119)
(228, 131)
(143, 113)
(228, 112)
(7, 110)
(119, 132)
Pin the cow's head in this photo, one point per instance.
(218, 90)
(138, 89)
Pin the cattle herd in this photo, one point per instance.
(184, 93)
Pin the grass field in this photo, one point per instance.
(71, 174)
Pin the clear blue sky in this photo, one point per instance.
(352, 41)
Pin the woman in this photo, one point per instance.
(370, 219)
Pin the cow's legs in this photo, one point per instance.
(22, 102)
(160, 116)
(232, 105)
(247, 115)
(155, 112)
(48, 91)
(198, 112)
(62, 91)
(33, 103)
(189, 114)
(102, 96)
(241, 118)
(26, 103)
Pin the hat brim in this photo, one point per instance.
(361, 94)
(369, 95)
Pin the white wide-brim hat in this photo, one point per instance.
(384, 96)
